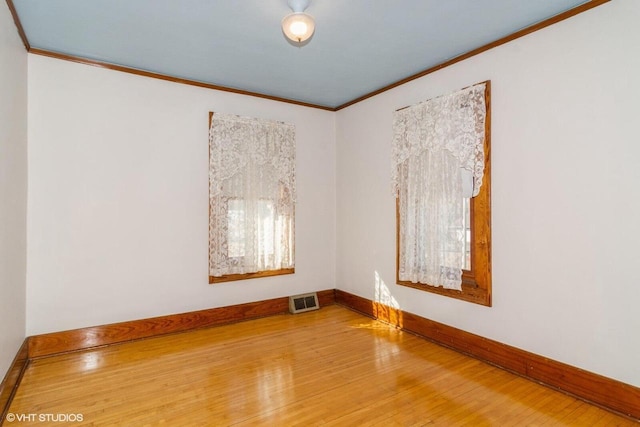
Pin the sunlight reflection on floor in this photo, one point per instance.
(374, 325)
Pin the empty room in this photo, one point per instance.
(319, 212)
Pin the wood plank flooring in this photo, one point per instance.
(329, 367)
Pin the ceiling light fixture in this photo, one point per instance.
(298, 26)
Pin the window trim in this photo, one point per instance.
(244, 276)
(252, 275)
(476, 283)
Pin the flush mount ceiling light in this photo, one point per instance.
(298, 26)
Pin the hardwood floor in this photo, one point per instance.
(328, 367)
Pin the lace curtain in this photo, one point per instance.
(432, 142)
(252, 191)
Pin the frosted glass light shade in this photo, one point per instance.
(298, 26)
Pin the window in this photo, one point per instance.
(443, 239)
(251, 198)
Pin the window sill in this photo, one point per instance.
(472, 291)
(245, 276)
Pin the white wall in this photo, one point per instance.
(118, 197)
(13, 188)
(117, 218)
(566, 200)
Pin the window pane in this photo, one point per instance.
(251, 198)
(467, 241)
(265, 230)
(466, 227)
(236, 236)
(237, 216)
(462, 233)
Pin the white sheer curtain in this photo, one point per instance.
(432, 142)
(252, 191)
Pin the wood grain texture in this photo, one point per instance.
(597, 389)
(521, 33)
(96, 336)
(12, 379)
(245, 276)
(329, 367)
(327, 297)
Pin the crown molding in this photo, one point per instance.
(521, 33)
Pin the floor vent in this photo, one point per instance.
(304, 302)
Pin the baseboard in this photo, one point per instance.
(599, 390)
(593, 388)
(12, 379)
(96, 336)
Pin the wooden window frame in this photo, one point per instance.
(246, 276)
(476, 283)
(253, 275)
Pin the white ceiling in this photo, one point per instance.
(359, 45)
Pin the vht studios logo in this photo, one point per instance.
(51, 418)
